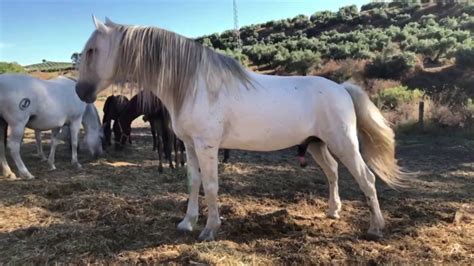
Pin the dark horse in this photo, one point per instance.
(164, 139)
(113, 108)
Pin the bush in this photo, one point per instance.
(373, 5)
(302, 62)
(11, 68)
(391, 98)
(390, 66)
(465, 56)
(347, 13)
(237, 55)
(322, 17)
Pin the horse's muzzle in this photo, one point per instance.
(86, 92)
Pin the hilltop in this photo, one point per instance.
(415, 43)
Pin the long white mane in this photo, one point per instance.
(157, 59)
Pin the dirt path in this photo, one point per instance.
(119, 209)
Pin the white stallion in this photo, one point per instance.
(215, 103)
(26, 101)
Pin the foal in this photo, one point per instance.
(113, 108)
(160, 122)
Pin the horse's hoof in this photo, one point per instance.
(207, 235)
(44, 159)
(160, 169)
(11, 176)
(374, 235)
(77, 165)
(52, 167)
(28, 176)
(303, 162)
(186, 225)
(332, 214)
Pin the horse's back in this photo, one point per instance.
(51, 102)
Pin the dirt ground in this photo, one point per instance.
(120, 209)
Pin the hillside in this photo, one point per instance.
(48, 66)
(400, 41)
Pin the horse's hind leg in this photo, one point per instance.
(14, 143)
(39, 146)
(74, 128)
(226, 155)
(182, 149)
(6, 171)
(54, 144)
(346, 148)
(153, 133)
(160, 146)
(326, 161)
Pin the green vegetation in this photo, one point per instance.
(48, 66)
(10, 68)
(434, 33)
(391, 98)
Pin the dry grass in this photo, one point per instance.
(119, 209)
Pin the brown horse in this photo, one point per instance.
(113, 108)
(156, 114)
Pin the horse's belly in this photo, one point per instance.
(39, 123)
(269, 133)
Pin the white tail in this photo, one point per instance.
(377, 138)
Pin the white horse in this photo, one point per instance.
(89, 123)
(215, 103)
(43, 105)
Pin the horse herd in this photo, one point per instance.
(118, 114)
(201, 101)
(30, 102)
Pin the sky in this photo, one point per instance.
(33, 30)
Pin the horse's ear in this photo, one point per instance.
(99, 25)
(110, 23)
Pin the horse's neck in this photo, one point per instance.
(91, 118)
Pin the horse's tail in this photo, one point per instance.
(377, 138)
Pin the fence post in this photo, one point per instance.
(421, 111)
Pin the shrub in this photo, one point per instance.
(391, 66)
(391, 98)
(343, 70)
(465, 56)
(237, 55)
(302, 62)
(373, 5)
(322, 17)
(347, 13)
(11, 68)
(375, 86)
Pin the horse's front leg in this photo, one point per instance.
(74, 130)
(14, 142)
(207, 154)
(54, 145)
(39, 146)
(194, 184)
